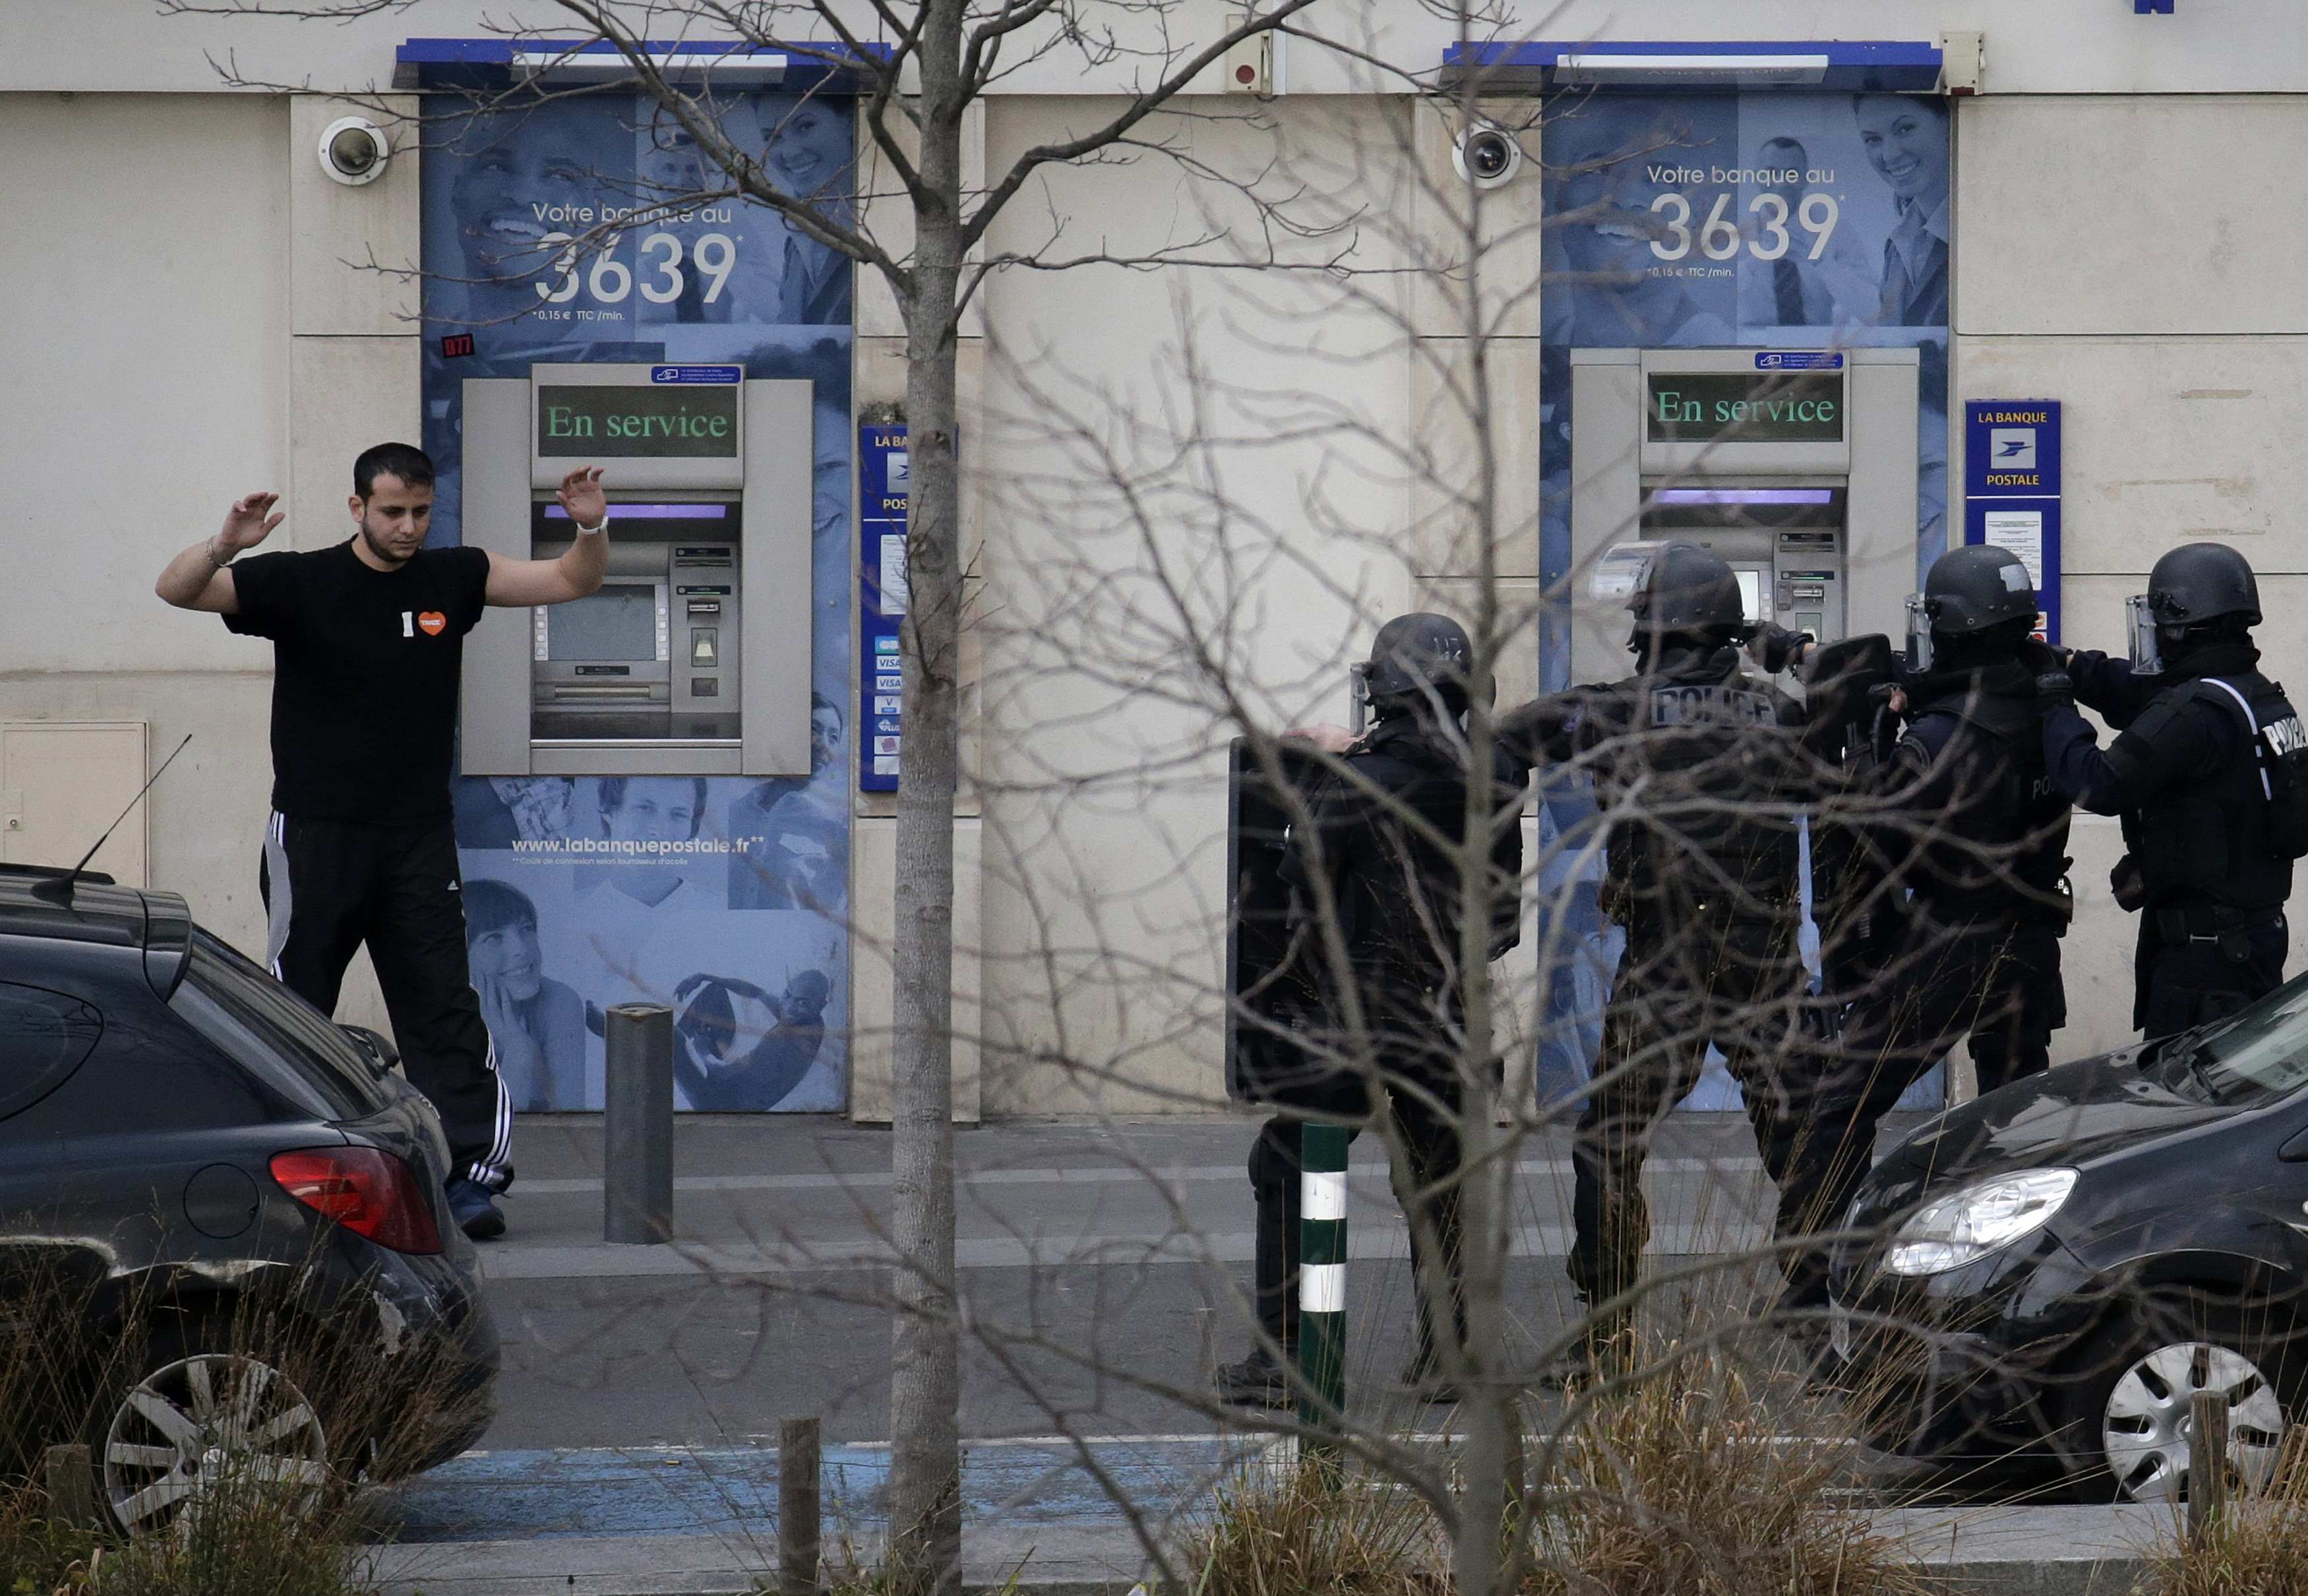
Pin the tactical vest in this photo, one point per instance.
(1708, 773)
(2208, 837)
(2002, 849)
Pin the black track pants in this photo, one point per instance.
(329, 887)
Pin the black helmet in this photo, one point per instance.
(1417, 654)
(2201, 581)
(1684, 588)
(1975, 587)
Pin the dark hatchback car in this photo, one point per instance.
(2053, 1270)
(238, 1205)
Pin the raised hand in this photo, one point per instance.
(581, 495)
(249, 520)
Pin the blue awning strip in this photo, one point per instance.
(1833, 65)
(501, 62)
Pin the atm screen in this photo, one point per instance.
(617, 622)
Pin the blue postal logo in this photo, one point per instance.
(1798, 360)
(2011, 448)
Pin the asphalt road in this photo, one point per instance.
(1104, 1269)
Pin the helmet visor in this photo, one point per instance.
(1919, 634)
(2146, 648)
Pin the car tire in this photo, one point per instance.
(2128, 1415)
(200, 1415)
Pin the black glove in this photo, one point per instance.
(2041, 657)
(1774, 646)
(2053, 690)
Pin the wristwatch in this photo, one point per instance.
(601, 526)
(209, 548)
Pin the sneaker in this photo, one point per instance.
(474, 1208)
(1258, 1381)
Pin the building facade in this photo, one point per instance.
(1202, 463)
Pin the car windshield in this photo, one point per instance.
(223, 992)
(2259, 1049)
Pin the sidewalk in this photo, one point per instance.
(1033, 1508)
(641, 1380)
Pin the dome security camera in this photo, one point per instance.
(1486, 155)
(354, 151)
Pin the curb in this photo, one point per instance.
(2024, 1551)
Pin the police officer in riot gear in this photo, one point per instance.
(2203, 772)
(1368, 852)
(1700, 778)
(1966, 839)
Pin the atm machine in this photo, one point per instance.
(1798, 467)
(693, 657)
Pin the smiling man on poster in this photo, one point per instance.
(368, 640)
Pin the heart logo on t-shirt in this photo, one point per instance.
(431, 620)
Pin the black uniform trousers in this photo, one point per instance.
(2183, 975)
(329, 887)
(1995, 980)
(1682, 983)
(1425, 1183)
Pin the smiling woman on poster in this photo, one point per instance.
(809, 157)
(1906, 142)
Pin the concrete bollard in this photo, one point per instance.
(1323, 1274)
(637, 1157)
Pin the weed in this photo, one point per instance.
(1682, 1480)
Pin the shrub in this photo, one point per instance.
(1680, 1479)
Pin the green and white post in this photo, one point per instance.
(1323, 1273)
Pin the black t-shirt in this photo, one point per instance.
(365, 677)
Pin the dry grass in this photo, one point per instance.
(1684, 1481)
(1303, 1529)
(2258, 1546)
(248, 1533)
(246, 1542)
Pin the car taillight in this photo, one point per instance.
(368, 1192)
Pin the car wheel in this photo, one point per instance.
(2143, 1374)
(200, 1423)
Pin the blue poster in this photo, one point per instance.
(1724, 219)
(589, 230)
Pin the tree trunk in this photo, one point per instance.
(925, 1375)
